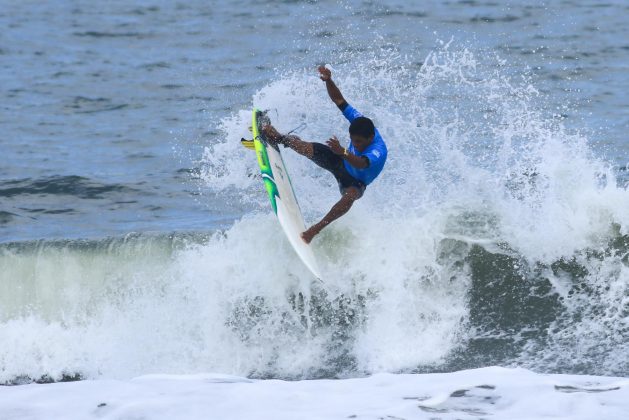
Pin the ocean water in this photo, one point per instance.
(136, 238)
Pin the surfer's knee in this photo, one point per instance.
(352, 193)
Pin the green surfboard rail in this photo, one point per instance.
(263, 159)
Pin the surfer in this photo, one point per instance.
(354, 167)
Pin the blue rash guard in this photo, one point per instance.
(376, 152)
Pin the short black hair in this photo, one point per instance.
(362, 126)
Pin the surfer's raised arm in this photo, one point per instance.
(335, 94)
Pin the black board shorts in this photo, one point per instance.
(325, 158)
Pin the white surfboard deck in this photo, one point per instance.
(281, 194)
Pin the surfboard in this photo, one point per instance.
(280, 190)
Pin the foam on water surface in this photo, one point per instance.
(489, 392)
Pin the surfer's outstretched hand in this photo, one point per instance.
(335, 146)
(324, 73)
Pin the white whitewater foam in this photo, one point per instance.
(496, 393)
(473, 156)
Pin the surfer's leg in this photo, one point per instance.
(319, 153)
(273, 137)
(346, 181)
(323, 156)
(304, 148)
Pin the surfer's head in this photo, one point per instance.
(362, 131)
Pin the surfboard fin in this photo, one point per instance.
(248, 144)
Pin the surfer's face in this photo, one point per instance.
(359, 142)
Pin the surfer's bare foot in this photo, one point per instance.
(272, 135)
(309, 234)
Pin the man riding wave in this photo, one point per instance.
(354, 167)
